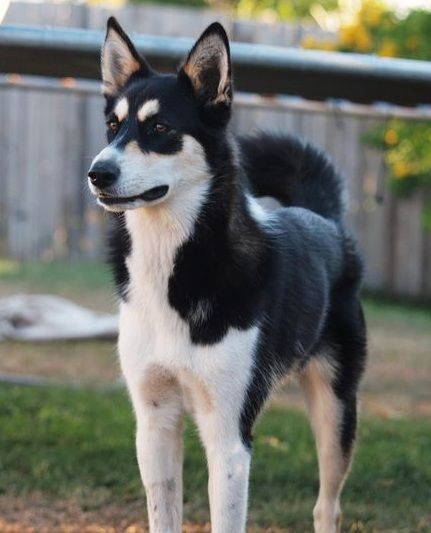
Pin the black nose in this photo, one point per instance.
(103, 174)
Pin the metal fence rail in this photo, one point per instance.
(258, 68)
(283, 103)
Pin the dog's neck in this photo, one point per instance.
(157, 231)
(207, 219)
(210, 203)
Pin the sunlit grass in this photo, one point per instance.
(8, 267)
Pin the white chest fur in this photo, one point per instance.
(153, 334)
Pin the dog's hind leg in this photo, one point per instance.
(333, 421)
(159, 415)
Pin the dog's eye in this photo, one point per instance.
(160, 128)
(112, 125)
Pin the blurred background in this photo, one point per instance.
(385, 161)
(66, 440)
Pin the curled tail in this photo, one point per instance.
(293, 172)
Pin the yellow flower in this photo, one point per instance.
(401, 169)
(388, 49)
(391, 137)
(362, 39)
(347, 35)
(371, 14)
(309, 42)
(356, 37)
(374, 17)
(328, 46)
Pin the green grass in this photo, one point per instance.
(390, 312)
(64, 443)
(85, 282)
(82, 274)
(80, 443)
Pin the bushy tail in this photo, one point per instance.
(293, 172)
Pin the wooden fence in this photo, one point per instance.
(48, 140)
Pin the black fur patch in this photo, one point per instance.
(119, 249)
(293, 171)
(222, 268)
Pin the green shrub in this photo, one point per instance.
(375, 28)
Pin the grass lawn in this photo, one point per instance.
(78, 443)
(67, 460)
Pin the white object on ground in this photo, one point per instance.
(41, 317)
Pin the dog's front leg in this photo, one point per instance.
(159, 417)
(228, 464)
(229, 467)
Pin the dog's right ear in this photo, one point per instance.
(120, 60)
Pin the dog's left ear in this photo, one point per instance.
(208, 68)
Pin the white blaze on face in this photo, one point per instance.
(141, 171)
(185, 172)
(148, 109)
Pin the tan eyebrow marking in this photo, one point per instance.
(148, 109)
(122, 109)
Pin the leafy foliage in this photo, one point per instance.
(278, 9)
(406, 145)
(183, 3)
(407, 153)
(267, 9)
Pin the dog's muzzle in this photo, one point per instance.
(103, 174)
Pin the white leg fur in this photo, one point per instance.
(228, 465)
(325, 412)
(158, 405)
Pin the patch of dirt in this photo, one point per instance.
(72, 361)
(34, 514)
(396, 383)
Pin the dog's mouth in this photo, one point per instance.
(156, 193)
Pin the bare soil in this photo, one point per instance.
(34, 514)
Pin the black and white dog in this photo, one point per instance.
(220, 299)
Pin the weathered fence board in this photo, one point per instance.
(48, 141)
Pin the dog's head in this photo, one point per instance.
(163, 130)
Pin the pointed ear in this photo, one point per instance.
(208, 68)
(119, 59)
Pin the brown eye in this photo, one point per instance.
(112, 125)
(160, 128)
